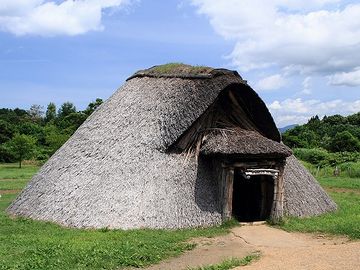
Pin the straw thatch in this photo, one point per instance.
(245, 143)
(303, 195)
(120, 170)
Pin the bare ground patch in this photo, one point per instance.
(208, 251)
(282, 250)
(279, 250)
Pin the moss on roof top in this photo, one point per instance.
(180, 70)
(176, 68)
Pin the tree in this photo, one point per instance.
(71, 122)
(22, 146)
(314, 123)
(54, 138)
(344, 141)
(310, 137)
(36, 112)
(354, 119)
(50, 112)
(93, 106)
(5, 155)
(66, 109)
(294, 141)
(335, 119)
(15, 116)
(6, 131)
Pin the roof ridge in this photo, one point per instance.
(214, 72)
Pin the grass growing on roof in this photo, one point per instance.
(28, 244)
(178, 68)
(229, 263)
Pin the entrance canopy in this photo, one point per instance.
(243, 142)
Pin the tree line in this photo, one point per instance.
(329, 141)
(37, 133)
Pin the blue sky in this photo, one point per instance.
(302, 57)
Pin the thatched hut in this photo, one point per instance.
(176, 146)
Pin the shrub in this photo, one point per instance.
(351, 169)
(316, 156)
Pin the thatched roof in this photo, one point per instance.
(243, 143)
(179, 70)
(303, 195)
(117, 171)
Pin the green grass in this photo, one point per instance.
(27, 244)
(12, 178)
(11, 171)
(340, 182)
(344, 221)
(171, 68)
(12, 184)
(346, 170)
(229, 263)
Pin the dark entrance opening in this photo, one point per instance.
(252, 198)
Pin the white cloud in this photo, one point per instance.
(17, 7)
(275, 105)
(272, 82)
(40, 17)
(351, 78)
(306, 86)
(298, 111)
(307, 36)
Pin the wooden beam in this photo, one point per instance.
(250, 164)
(277, 211)
(228, 180)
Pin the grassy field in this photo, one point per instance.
(340, 182)
(13, 178)
(345, 221)
(27, 244)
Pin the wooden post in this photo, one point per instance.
(277, 210)
(228, 180)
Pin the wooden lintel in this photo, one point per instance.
(250, 164)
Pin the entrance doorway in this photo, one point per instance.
(252, 197)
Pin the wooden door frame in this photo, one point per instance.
(273, 168)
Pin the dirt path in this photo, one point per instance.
(207, 251)
(282, 250)
(279, 250)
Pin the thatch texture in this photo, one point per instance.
(244, 143)
(117, 171)
(113, 172)
(303, 194)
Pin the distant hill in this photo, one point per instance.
(283, 129)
